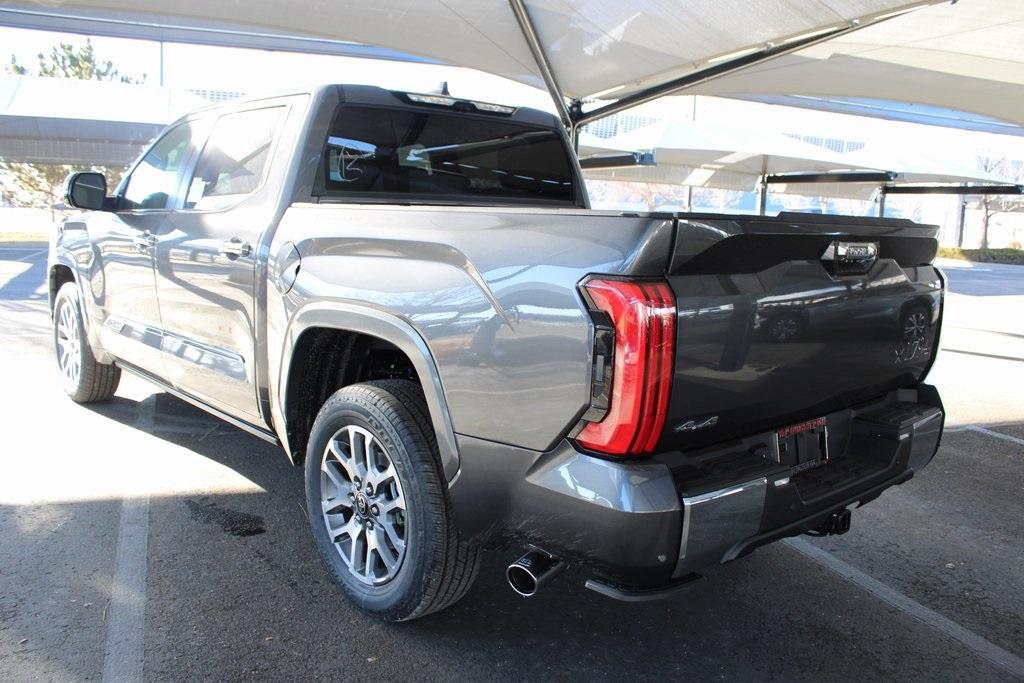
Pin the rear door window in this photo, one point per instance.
(379, 151)
(232, 164)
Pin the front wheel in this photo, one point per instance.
(85, 379)
(378, 504)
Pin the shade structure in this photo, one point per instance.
(912, 165)
(965, 57)
(702, 154)
(708, 155)
(617, 47)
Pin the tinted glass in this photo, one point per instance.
(384, 151)
(155, 180)
(232, 163)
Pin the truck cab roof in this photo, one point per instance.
(381, 97)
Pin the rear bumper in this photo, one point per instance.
(651, 523)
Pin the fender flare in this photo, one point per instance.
(390, 328)
(61, 259)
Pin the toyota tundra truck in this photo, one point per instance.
(411, 296)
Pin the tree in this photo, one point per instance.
(41, 185)
(70, 61)
(28, 184)
(991, 204)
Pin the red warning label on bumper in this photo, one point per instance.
(802, 427)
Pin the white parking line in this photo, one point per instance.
(998, 435)
(32, 252)
(1007, 661)
(122, 660)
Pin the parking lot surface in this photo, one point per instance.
(144, 538)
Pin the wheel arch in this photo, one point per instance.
(375, 324)
(59, 273)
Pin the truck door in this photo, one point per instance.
(206, 262)
(126, 293)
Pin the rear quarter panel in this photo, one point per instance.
(492, 292)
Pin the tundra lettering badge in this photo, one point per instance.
(694, 425)
(850, 258)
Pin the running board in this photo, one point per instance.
(264, 434)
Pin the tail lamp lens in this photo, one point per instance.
(644, 317)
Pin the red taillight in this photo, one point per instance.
(644, 317)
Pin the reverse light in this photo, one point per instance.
(643, 316)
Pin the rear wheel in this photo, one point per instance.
(85, 379)
(378, 504)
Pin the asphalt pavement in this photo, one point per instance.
(143, 538)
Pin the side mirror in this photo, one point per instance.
(86, 191)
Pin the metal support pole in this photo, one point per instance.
(539, 56)
(763, 196)
(767, 53)
(960, 217)
(881, 202)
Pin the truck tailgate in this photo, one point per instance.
(787, 318)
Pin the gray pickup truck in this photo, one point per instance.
(410, 294)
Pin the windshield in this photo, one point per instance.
(442, 154)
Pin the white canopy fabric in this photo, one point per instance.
(965, 56)
(705, 155)
(702, 154)
(594, 46)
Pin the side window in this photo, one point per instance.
(155, 180)
(232, 164)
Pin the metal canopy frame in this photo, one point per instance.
(629, 160)
(539, 56)
(836, 177)
(571, 113)
(952, 189)
(961, 190)
(832, 177)
(573, 116)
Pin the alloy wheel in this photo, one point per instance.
(363, 505)
(69, 345)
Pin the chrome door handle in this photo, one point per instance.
(235, 248)
(144, 241)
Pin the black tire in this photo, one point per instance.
(95, 381)
(438, 568)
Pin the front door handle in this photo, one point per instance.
(235, 248)
(144, 242)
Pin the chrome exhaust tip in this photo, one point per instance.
(533, 571)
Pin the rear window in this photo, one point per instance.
(438, 155)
